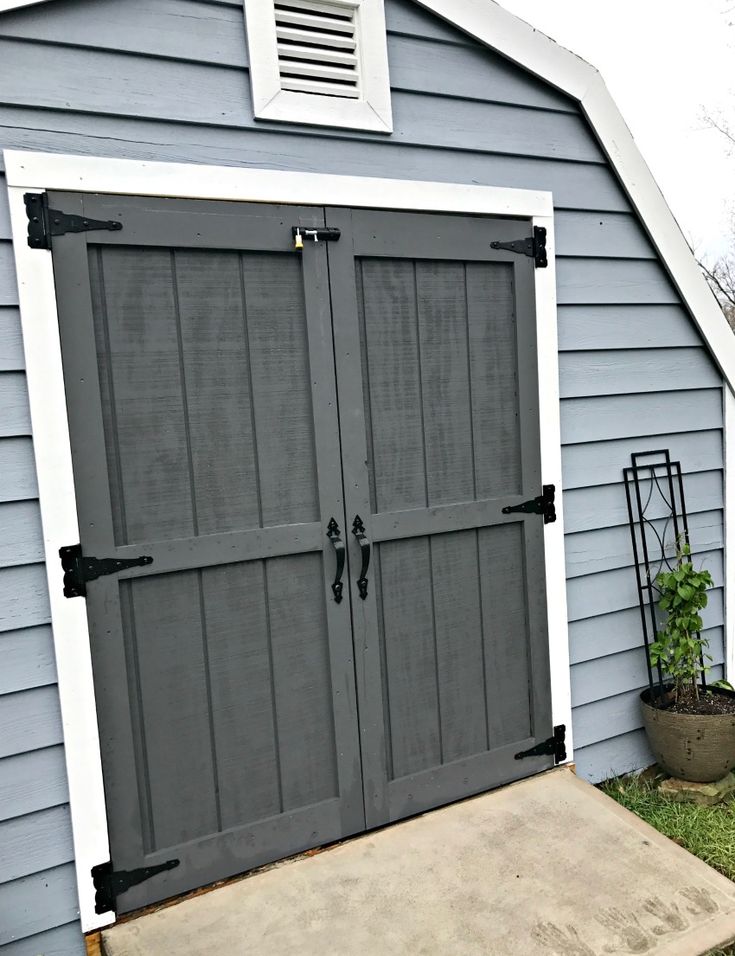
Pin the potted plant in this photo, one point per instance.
(691, 728)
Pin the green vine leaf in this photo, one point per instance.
(679, 647)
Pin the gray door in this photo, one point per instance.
(228, 397)
(197, 350)
(435, 337)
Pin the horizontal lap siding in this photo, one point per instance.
(38, 900)
(167, 80)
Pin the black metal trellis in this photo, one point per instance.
(654, 489)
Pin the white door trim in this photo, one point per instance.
(27, 171)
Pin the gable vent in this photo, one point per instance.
(317, 47)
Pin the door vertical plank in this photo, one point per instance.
(174, 704)
(327, 444)
(410, 655)
(84, 395)
(216, 371)
(444, 375)
(357, 464)
(505, 632)
(304, 709)
(281, 386)
(392, 360)
(147, 384)
(248, 773)
(493, 362)
(532, 532)
(463, 705)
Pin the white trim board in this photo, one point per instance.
(729, 520)
(39, 320)
(532, 50)
(50, 428)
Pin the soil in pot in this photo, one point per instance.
(708, 702)
(693, 740)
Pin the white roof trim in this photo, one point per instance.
(14, 4)
(534, 51)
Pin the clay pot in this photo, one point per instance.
(696, 747)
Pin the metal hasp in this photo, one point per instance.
(543, 505)
(109, 883)
(78, 569)
(534, 247)
(555, 746)
(323, 234)
(43, 223)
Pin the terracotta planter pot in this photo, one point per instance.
(696, 747)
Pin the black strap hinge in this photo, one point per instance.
(555, 746)
(43, 223)
(543, 505)
(79, 569)
(109, 883)
(534, 247)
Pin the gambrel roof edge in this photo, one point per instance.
(532, 50)
(539, 54)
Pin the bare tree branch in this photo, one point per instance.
(719, 281)
(721, 125)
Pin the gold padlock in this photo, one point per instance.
(298, 240)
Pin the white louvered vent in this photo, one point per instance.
(318, 47)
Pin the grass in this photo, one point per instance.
(707, 832)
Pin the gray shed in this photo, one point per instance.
(307, 318)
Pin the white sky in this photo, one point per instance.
(663, 61)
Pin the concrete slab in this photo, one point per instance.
(546, 867)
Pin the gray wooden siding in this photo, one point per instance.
(167, 80)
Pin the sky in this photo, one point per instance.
(665, 62)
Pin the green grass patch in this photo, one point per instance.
(707, 832)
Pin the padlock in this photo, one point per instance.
(298, 240)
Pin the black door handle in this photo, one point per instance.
(333, 533)
(358, 529)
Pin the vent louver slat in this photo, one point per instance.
(317, 47)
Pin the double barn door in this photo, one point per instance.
(256, 419)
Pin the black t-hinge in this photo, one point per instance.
(79, 569)
(43, 223)
(109, 883)
(542, 505)
(534, 247)
(555, 746)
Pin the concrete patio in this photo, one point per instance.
(546, 867)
